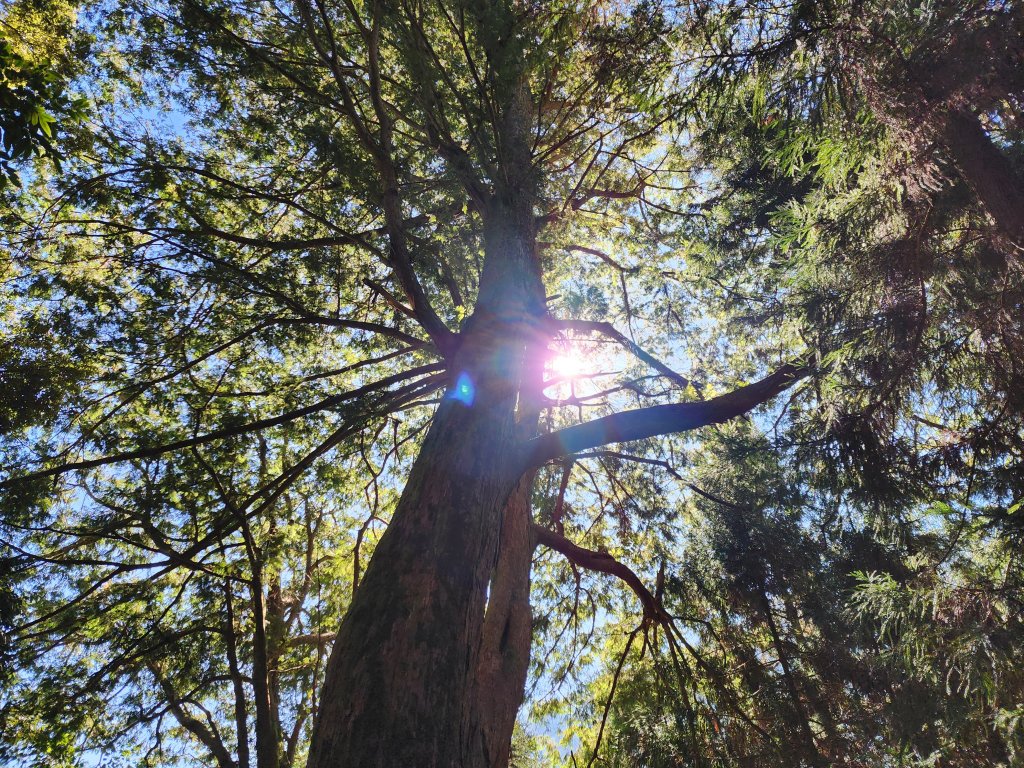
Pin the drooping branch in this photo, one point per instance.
(653, 609)
(660, 419)
(606, 258)
(603, 563)
(131, 392)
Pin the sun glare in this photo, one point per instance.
(577, 368)
(567, 364)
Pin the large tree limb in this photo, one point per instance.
(660, 419)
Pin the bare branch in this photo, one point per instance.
(607, 329)
(630, 457)
(601, 562)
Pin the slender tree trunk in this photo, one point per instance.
(241, 711)
(268, 732)
(400, 686)
(798, 706)
(988, 171)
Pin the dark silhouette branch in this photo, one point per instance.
(607, 329)
(380, 147)
(630, 457)
(603, 563)
(660, 419)
(268, 244)
(611, 695)
(389, 297)
(193, 725)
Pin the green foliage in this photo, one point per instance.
(210, 350)
(35, 104)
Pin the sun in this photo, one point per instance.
(567, 364)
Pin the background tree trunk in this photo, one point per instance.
(268, 731)
(988, 171)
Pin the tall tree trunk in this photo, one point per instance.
(988, 171)
(399, 688)
(268, 731)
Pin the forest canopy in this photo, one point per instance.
(493, 383)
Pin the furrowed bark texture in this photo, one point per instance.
(504, 655)
(400, 685)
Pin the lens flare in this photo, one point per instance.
(464, 391)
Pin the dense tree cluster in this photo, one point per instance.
(496, 382)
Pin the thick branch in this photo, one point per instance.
(660, 419)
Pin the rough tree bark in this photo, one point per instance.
(395, 691)
(504, 655)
